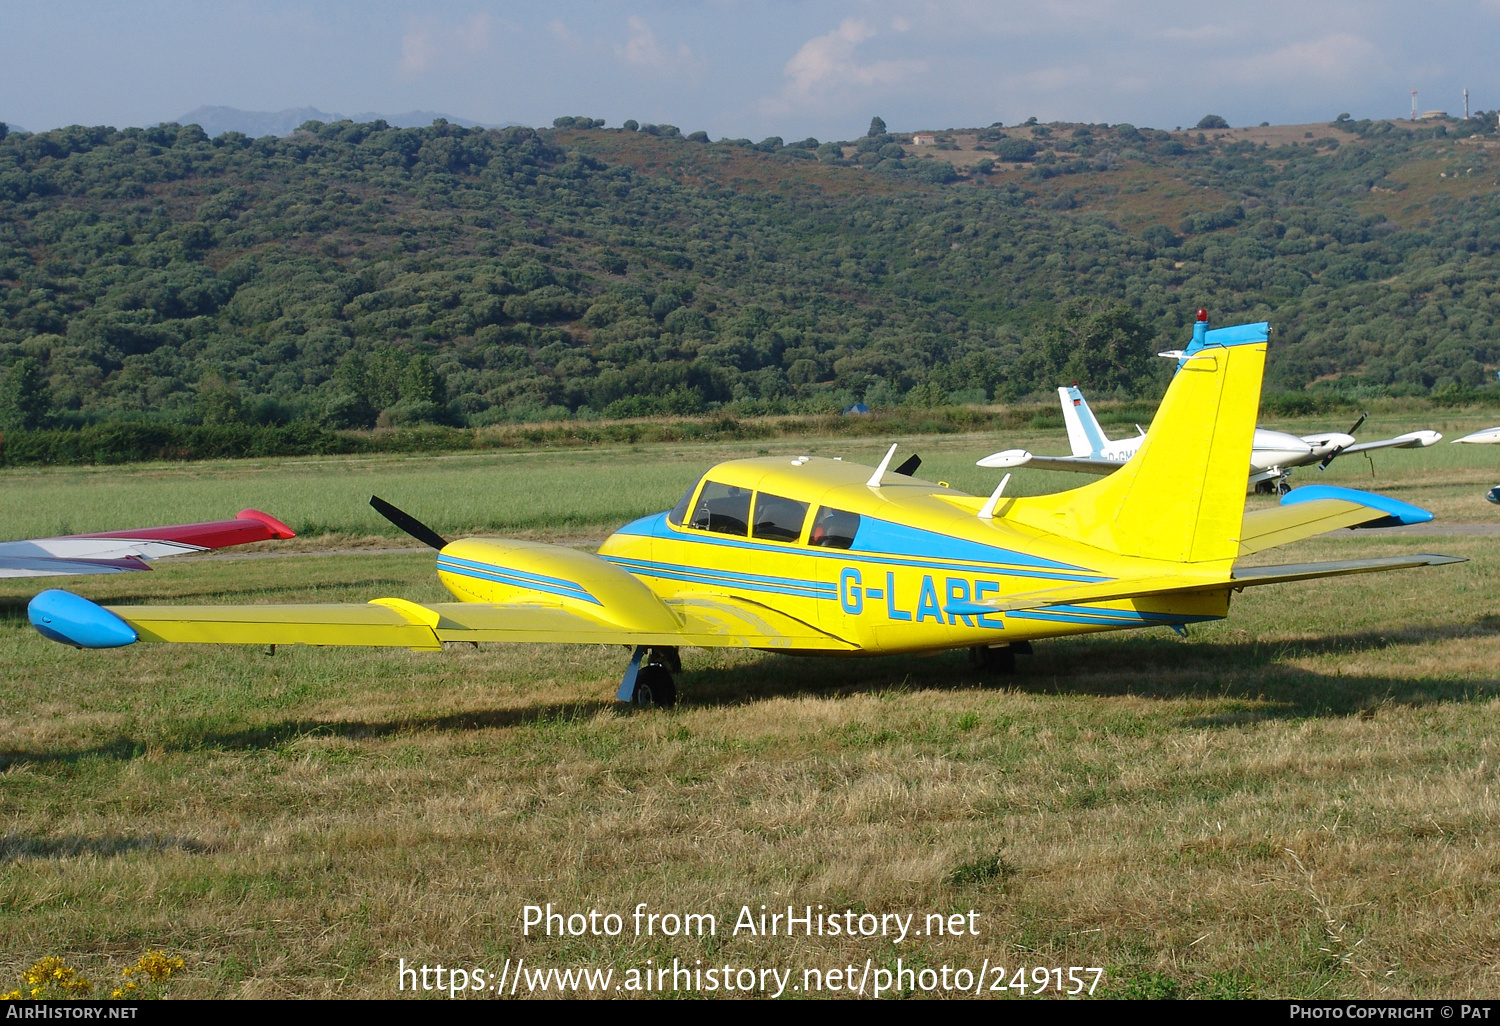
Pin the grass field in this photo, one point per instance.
(1295, 801)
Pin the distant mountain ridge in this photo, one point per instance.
(255, 123)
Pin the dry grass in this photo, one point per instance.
(1297, 801)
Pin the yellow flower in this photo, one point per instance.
(49, 966)
(155, 965)
(53, 971)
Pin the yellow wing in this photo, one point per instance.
(703, 622)
(515, 591)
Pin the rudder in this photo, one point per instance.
(1182, 496)
(1085, 436)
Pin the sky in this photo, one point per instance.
(751, 69)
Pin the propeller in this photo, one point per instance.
(1323, 465)
(909, 468)
(408, 523)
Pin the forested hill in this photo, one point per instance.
(351, 272)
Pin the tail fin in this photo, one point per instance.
(1182, 496)
(1085, 436)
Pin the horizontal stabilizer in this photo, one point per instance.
(1077, 464)
(1245, 577)
(1240, 578)
(1316, 509)
(1011, 458)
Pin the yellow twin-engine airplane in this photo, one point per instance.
(820, 556)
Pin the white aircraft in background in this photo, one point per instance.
(1489, 436)
(1273, 454)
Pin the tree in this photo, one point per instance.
(1103, 350)
(1211, 121)
(25, 399)
(347, 404)
(877, 127)
(631, 125)
(218, 401)
(420, 385)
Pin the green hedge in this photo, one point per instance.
(136, 442)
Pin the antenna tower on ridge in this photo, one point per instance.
(1414, 105)
(1466, 103)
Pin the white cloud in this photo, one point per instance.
(429, 43)
(1333, 57)
(1201, 34)
(642, 49)
(827, 62)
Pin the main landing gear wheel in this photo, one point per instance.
(997, 661)
(654, 687)
(667, 656)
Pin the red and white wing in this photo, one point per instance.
(113, 552)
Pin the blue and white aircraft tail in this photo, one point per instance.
(1086, 436)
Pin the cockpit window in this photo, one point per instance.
(833, 528)
(723, 509)
(778, 519)
(679, 511)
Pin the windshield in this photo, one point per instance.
(724, 509)
(679, 511)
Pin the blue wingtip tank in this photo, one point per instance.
(74, 620)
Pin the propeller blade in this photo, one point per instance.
(408, 523)
(909, 468)
(1329, 458)
(1357, 423)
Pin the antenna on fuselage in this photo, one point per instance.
(874, 481)
(988, 512)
